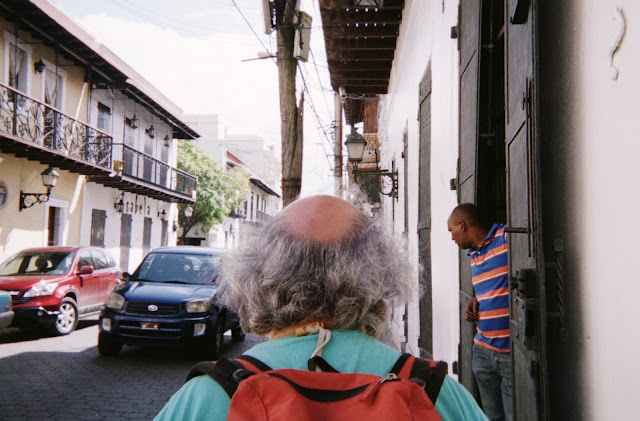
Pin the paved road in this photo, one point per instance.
(64, 378)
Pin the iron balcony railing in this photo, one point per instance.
(142, 166)
(44, 125)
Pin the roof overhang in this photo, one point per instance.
(360, 43)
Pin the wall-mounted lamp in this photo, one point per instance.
(119, 203)
(151, 132)
(134, 122)
(355, 149)
(167, 141)
(49, 179)
(39, 66)
(162, 215)
(188, 211)
(175, 226)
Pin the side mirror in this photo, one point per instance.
(85, 270)
(125, 276)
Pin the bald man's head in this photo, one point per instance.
(320, 219)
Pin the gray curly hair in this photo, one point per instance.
(277, 280)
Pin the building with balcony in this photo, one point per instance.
(70, 104)
(259, 160)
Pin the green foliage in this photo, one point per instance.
(219, 192)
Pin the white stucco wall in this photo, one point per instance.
(609, 178)
(424, 38)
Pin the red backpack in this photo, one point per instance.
(259, 393)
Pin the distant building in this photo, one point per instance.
(70, 104)
(259, 160)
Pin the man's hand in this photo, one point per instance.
(471, 311)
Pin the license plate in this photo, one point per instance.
(149, 326)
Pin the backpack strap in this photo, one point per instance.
(427, 374)
(229, 373)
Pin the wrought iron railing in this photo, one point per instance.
(44, 125)
(139, 165)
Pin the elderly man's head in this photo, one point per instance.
(320, 259)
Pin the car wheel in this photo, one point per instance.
(237, 334)
(67, 318)
(107, 346)
(213, 344)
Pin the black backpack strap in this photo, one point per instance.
(253, 361)
(428, 375)
(320, 362)
(227, 373)
(432, 376)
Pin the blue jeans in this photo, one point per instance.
(494, 374)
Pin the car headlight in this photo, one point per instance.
(201, 305)
(115, 301)
(40, 289)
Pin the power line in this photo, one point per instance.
(252, 30)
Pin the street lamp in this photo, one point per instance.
(49, 179)
(355, 149)
(188, 211)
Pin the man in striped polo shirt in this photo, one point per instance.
(491, 363)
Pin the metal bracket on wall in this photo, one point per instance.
(622, 29)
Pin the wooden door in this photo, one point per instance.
(526, 267)
(469, 44)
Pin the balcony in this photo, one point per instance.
(147, 170)
(40, 132)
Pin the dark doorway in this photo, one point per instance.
(125, 241)
(53, 226)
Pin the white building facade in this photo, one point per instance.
(524, 108)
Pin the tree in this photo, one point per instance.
(219, 192)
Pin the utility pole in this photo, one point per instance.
(337, 147)
(290, 113)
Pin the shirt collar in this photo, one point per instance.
(487, 239)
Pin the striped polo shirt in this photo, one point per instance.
(490, 278)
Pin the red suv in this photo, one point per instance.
(55, 285)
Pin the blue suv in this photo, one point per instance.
(169, 299)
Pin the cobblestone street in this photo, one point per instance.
(64, 378)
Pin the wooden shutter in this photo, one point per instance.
(469, 43)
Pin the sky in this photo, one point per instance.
(202, 55)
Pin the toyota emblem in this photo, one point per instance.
(152, 307)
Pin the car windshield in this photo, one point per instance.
(38, 263)
(198, 269)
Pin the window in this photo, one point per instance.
(17, 55)
(98, 218)
(53, 85)
(53, 226)
(85, 259)
(164, 236)
(99, 259)
(104, 118)
(146, 236)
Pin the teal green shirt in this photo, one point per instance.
(348, 351)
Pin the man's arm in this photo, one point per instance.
(471, 311)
